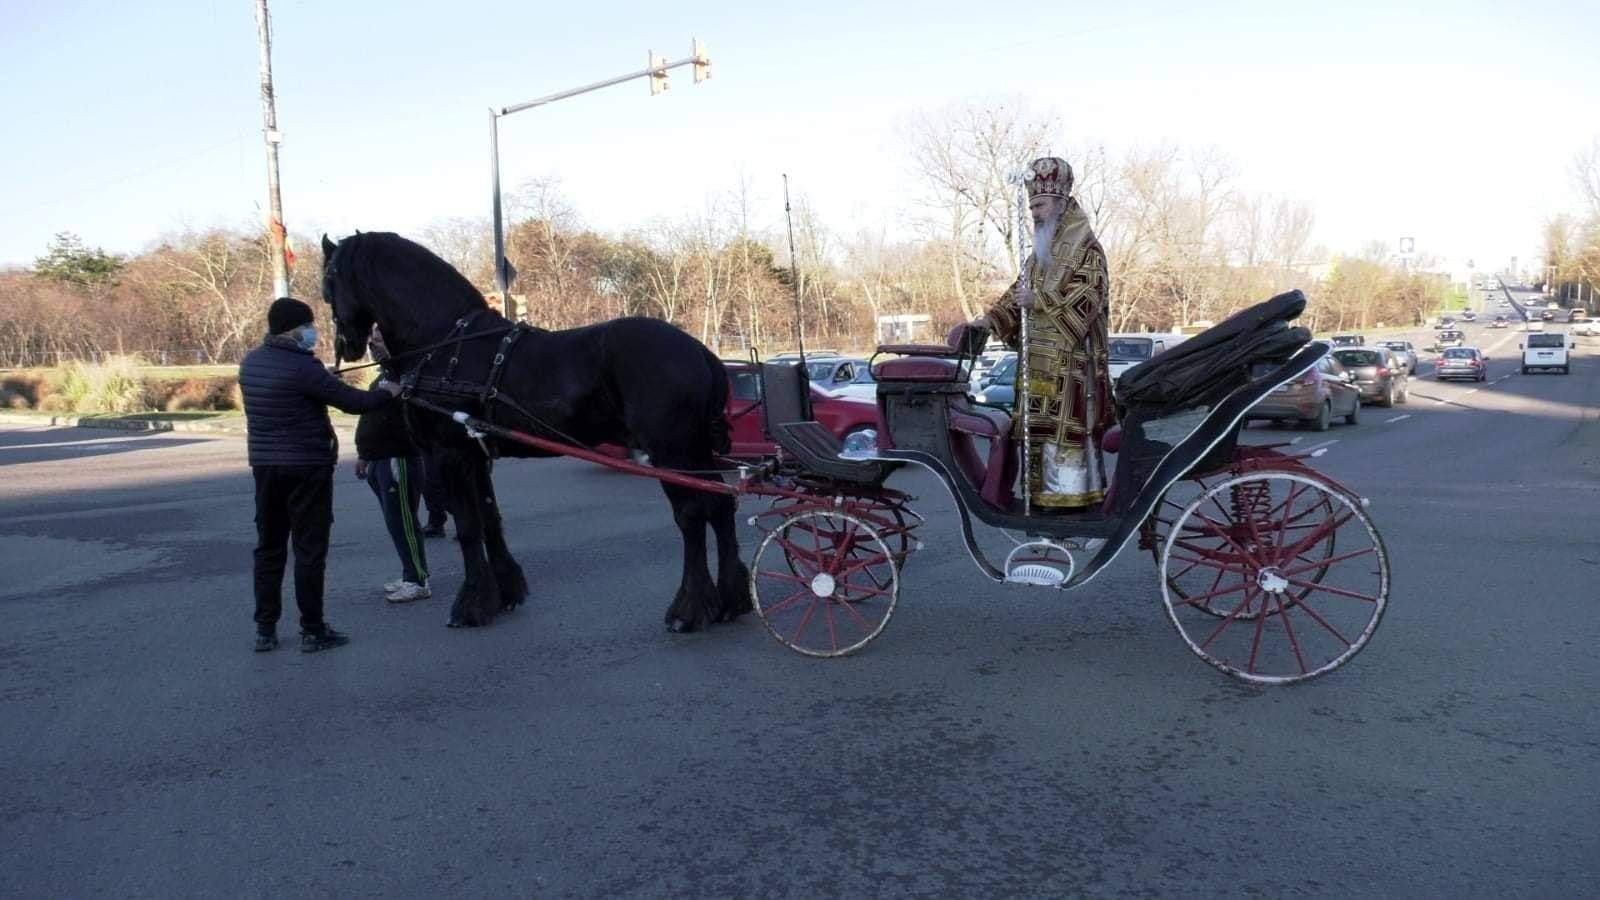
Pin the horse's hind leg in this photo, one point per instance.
(478, 598)
(513, 585)
(733, 579)
(695, 604)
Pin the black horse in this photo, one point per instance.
(634, 382)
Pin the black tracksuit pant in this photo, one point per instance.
(293, 503)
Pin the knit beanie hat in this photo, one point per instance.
(286, 314)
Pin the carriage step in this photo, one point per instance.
(1040, 564)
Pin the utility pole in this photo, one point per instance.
(656, 71)
(276, 233)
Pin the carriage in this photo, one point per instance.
(1268, 569)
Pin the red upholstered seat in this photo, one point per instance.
(1111, 441)
(917, 368)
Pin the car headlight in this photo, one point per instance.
(982, 397)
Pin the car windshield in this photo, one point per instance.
(863, 375)
(1459, 353)
(1005, 371)
(1131, 348)
(822, 372)
(1357, 357)
(1545, 340)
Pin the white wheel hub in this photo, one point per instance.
(822, 585)
(1270, 581)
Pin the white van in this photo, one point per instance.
(1128, 350)
(1546, 351)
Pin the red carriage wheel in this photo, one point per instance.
(825, 582)
(887, 518)
(1263, 597)
(1244, 502)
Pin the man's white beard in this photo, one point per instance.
(1044, 234)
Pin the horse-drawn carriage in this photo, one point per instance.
(1269, 570)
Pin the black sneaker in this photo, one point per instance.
(326, 639)
(266, 642)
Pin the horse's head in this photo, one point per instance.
(352, 320)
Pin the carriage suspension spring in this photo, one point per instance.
(1252, 505)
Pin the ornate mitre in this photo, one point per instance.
(1048, 176)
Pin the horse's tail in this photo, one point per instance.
(717, 407)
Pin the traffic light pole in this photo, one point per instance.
(656, 72)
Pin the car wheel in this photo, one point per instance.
(1388, 396)
(1524, 370)
(1324, 417)
(1355, 413)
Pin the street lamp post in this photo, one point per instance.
(656, 71)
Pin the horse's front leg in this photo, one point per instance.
(513, 585)
(477, 599)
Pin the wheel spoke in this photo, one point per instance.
(804, 620)
(1302, 604)
(1332, 590)
(1231, 616)
(1283, 613)
(786, 602)
(1318, 564)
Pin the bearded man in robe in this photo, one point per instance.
(1064, 284)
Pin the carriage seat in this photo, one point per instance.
(924, 369)
(992, 476)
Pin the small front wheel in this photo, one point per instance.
(824, 582)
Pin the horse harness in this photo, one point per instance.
(486, 394)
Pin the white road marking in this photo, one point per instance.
(1319, 446)
(114, 440)
(1397, 419)
(1473, 391)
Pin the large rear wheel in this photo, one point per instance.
(1287, 587)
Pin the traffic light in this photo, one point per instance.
(702, 62)
(658, 73)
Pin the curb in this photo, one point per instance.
(117, 423)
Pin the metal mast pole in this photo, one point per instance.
(502, 281)
(276, 233)
(794, 273)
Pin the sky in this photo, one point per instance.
(1449, 122)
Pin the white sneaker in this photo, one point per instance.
(409, 591)
(390, 587)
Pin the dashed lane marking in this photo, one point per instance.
(1320, 446)
(1397, 419)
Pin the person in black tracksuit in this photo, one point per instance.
(389, 460)
(293, 451)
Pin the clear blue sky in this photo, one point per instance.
(1449, 121)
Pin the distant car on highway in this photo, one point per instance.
(1469, 316)
(1533, 325)
(1444, 322)
(1462, 362)
(1450, 338)
(1587, 328)
(1314, 399)
(1547, 315)
(1406, 352)
(1348, 340)
(1577, 315)
(1499, 322)
(1546, 351)
(1378, 374)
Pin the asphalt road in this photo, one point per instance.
(993, 741)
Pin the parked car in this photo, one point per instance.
(1587, 328)
(1406, 352)
(1377, 373)
(862, 386)
(1462, 362)
(842, 415)
(1499, 322)
(810, 354)
(1129, 350)
(1001, 390)
(1316, 398)
(1348, 340)
(983, 368)
(1546, 351)
(1451, 338)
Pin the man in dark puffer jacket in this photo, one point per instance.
(293, 450)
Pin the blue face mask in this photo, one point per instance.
(308, 337)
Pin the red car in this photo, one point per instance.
(746, 414)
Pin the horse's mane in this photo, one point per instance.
(421, 287)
